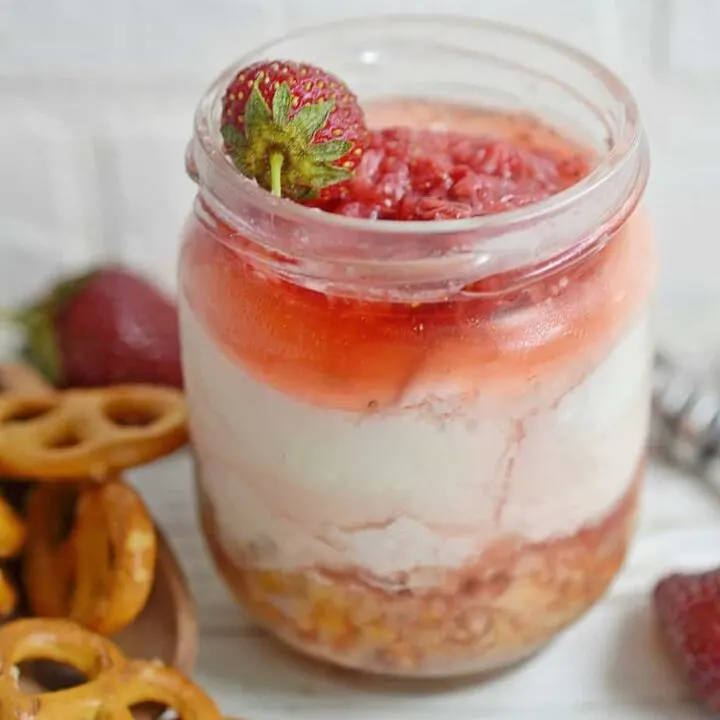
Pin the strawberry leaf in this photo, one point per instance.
(64, 291)
(234, 139)
(330, 151)
(257, 112)
(324, 175)
(306, 194)
(282, 100)
(310, 118)
(41, 349)
(235, 145)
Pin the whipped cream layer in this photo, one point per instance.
(429, 484)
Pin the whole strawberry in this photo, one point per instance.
(294, 128)
(105, 327)
(688, 610)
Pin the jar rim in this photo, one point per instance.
(628, 139)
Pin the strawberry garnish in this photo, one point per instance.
(688, 609)
(103, 327)
(294, 128)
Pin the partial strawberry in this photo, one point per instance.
(105, 327)
(294, 128)
(688, 609)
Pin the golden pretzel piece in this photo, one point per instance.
(99, 571)
(12, 541)
(88, 433)
(12, 531)
(8, 595)
(114, 685)
(14, 378)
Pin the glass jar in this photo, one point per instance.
(419, 444)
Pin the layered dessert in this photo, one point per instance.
(421, 487)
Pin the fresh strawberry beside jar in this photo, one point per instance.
(106, 326)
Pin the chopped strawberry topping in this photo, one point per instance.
(408, 174)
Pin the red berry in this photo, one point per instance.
(107, 327)
(688, 609)
(294, 128)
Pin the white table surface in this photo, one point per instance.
(608, 666)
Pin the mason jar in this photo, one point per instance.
(419, 445)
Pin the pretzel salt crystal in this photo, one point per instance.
(88, 433)
(114, 684)
(100, 571)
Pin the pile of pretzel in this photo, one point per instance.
(85, 542)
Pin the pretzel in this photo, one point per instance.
(18, 378)
(114, 684)
(14, 378)
(88, 433)
(12, 540)
(100, 572)
(8, 595)
(12, 531)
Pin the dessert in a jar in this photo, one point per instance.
(414, 313)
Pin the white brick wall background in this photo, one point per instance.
(97, 97)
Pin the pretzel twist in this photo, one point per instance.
(12, 541)
(8, 595)
(12, 531)
(98, 572)
(88, 433)
(115, 683)
(14, 378)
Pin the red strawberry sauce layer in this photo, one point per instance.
(418, 174)
(358, 354)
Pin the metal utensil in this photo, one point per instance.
(686, 420)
